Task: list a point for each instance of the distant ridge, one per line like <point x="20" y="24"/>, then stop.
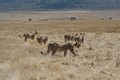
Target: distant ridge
<point x="36" y="5"/>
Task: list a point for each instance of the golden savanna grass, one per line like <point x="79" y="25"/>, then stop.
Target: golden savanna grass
<point x="98" y="58"/>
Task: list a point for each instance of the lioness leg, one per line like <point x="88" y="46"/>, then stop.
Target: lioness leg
<point x="41" y="42"/>
<point x="48" y="51"/>
<point x="72" y="50"/>
<point x="25" y="39"/>
<point x="53" y="52"/>
<point x="65" y="52"/>
<point x="44" y="42"/>
<point x="74" y="53"/>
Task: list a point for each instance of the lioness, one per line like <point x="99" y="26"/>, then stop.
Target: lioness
<point x="65" y="47"/>
<point x="42" y="39"/>
<point x="28" y="36"/>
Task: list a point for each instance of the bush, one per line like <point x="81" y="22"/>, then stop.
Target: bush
<point x="29" y="19"/>
<point x="102" y="18"/>
<point x="110" y="18"/>
<point x="72" y="18"/>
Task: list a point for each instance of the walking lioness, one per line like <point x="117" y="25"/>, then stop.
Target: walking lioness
<point x="28" y="36"/>
<point x="65" y="47"/>
<point x="42" y="39"/>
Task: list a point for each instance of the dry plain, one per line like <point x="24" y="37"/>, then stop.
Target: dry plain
<point x="99" y="55"/>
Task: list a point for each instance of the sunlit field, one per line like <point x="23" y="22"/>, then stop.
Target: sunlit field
<point x="99" y="55"/>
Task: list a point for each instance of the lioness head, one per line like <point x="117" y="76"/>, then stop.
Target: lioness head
<point x="77" y="44"/>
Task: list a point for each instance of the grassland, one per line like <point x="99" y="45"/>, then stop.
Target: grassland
<point x="20" y="60"/>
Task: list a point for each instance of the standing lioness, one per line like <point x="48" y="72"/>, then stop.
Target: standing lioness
<point x="28" y="36"/>
<point x="65" y="47"/>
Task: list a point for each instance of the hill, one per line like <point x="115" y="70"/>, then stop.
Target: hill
<point x="15" y="5"/>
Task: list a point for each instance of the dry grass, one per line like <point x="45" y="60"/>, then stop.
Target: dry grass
<point x="98" y="56"/>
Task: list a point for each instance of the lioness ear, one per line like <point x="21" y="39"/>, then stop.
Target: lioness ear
<point x="35" y="31"/>
<point x="83" y="34"/>
<point x="76" y="43"/>
<point x="80" y="33"/>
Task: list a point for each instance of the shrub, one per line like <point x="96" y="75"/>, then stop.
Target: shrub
<point x="102" y="18"/>
<point x="110" y="18"/>
<point x="72" y="18"/>
<point x="29" y="19"/>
